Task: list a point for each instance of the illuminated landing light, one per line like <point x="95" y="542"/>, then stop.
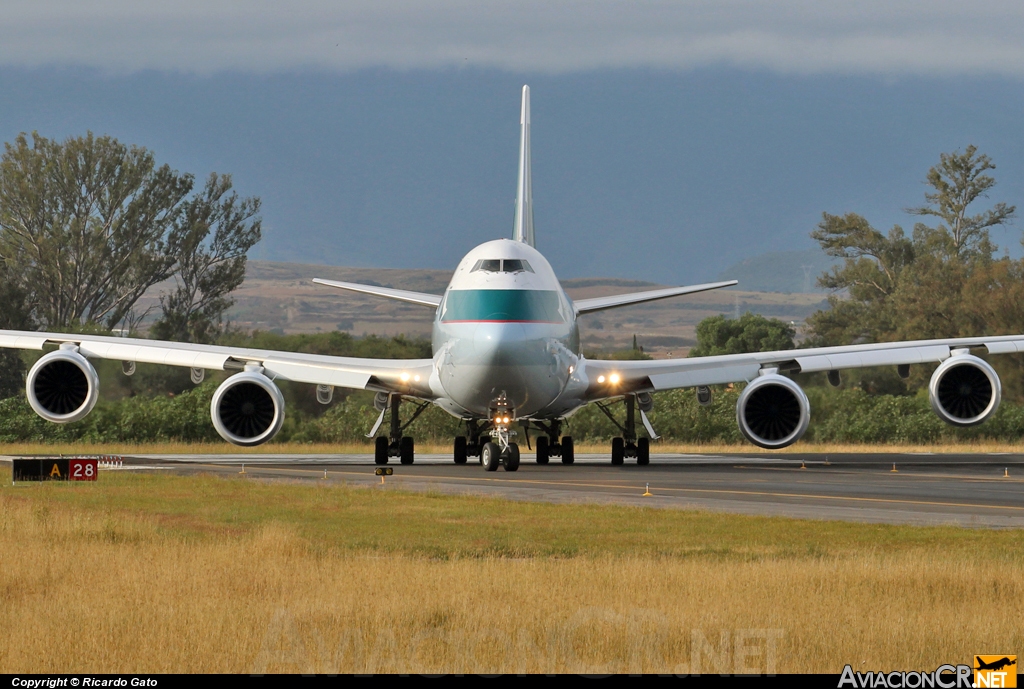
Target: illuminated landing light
<point x="614" y="379"/>
<point x="600" y="379"/>
<point x="571" y="369"/>
<point x="416" y="378"/>
<point x="404" y="377"/>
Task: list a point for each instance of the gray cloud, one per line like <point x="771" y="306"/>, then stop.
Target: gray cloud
<point x="939" y="37"/>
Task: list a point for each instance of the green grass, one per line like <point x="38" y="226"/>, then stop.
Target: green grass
<point x="335" y="518"/>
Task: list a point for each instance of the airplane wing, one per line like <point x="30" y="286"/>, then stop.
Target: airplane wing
<point x="419" y="298"/>
<point x="406" y="376"/>
<point x="652" y="375"/>
<point x="601" y="303"/>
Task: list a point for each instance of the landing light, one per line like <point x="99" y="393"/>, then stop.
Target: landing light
<point x="600" y="379"/>
<point x="614" y="379"/>
<point x="404" y="377"/>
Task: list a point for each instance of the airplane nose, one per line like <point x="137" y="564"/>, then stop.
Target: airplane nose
<point x="499" y="344"/>
<point x="501" y="359"/>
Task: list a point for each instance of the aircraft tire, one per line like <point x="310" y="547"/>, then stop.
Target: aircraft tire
<point x="460" y="449"/>
<point x="643" y="452"/>
<point x="406" y="449"/>
<point x="510" y="458"/>
<point x="618" y="451"/>
<point x="568" y="453"/>
<point x="380" y="450"/>
<point x="543" y="450"/>
<point x="490" y="456"/>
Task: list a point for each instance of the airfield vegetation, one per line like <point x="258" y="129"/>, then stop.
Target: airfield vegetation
<point x="162" y="573"/>
<point x="598" y="448"/>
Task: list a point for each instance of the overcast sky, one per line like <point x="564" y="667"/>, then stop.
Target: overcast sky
<point x="883" y="37"/>
<point x="671" y="139"/>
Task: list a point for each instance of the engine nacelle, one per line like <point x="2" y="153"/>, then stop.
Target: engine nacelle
<point x="773" y="412"/>
<point x="62" y="386"/>
<point x="964" y="390"/>
<point x="247" y="408"/>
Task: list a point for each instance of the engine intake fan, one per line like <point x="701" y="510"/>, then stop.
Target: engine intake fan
<point x="62" y="386"/>
<point x="964" y="390"/>
<point x="247" y="409"/>
<point x="773" y="412"/>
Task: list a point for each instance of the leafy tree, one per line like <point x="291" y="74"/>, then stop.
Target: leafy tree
<point x="15" y="315"/>
<point x="891" y="286"/>
<point x="749" y="333"/>
<point x="83" y="224"/>
<point x="209" y="244"/>
<point x="959" y="180"/>
<point x="89" y="224"/>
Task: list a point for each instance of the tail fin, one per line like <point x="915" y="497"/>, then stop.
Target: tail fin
<point x="522" y="230"/>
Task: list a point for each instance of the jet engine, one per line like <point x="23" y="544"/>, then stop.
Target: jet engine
<point x="62" y="386"/>
<point x="247" y="408"/>
<point x="773" y="412"/>
<point x="964" y="390"/>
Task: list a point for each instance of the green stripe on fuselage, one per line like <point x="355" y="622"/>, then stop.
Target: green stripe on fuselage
<point x="502" y="305"/>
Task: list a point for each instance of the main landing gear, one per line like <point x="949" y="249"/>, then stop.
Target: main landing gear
<point x="395" y="444"/>
<point x="628" y="445"/>
<point x="548" y="445"/>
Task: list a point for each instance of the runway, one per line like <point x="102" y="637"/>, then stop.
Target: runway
<point x="982" y="490"/>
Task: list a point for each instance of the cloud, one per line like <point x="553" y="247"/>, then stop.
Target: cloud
<point x="938" y="37"/>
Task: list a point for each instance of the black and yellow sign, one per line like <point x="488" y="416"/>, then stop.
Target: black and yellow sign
<point x="55" y="469"/>
<point x="995" y="671"/>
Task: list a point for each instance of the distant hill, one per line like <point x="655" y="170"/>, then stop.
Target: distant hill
<point x="281" y="297"/>
<point x="780" y="271"/>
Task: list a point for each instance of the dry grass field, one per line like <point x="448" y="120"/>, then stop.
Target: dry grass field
<point x="159" y="573"/>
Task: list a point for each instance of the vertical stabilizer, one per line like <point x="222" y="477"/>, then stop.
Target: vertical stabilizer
<point x="522" y="230"/>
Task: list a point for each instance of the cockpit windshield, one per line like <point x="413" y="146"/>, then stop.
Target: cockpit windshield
<point x="497" y="265"/>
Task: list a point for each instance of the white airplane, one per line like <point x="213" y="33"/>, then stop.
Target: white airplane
<point x="506" y="354"/>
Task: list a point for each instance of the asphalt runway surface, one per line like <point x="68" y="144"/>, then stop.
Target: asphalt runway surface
<point x="983" y="490"/>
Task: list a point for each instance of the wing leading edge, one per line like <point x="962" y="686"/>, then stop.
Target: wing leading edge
<point x="668" y="374"/>
<point x="406" y="376"/>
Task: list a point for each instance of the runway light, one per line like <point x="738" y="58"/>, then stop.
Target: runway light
<point x="614" y="379"/>
<point x="600" y="379"/>
<point x="404" y="377"/>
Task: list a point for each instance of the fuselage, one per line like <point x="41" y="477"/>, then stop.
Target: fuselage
<point x="505" y="330"/>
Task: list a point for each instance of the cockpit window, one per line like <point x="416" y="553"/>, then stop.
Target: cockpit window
<point x="497" y="265"/>
<point x="515" y="265"/>
<point x="489" y="265"/>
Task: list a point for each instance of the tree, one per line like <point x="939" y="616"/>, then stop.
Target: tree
<point x="893" y="287"/>
<point x="959" y="180"/>
<point x="209" y="243"/>
<point x="83" y="224"/>
<point x="749" y="333"/>
<point x="15" y="315"/>
<point x="90" y="224"/>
